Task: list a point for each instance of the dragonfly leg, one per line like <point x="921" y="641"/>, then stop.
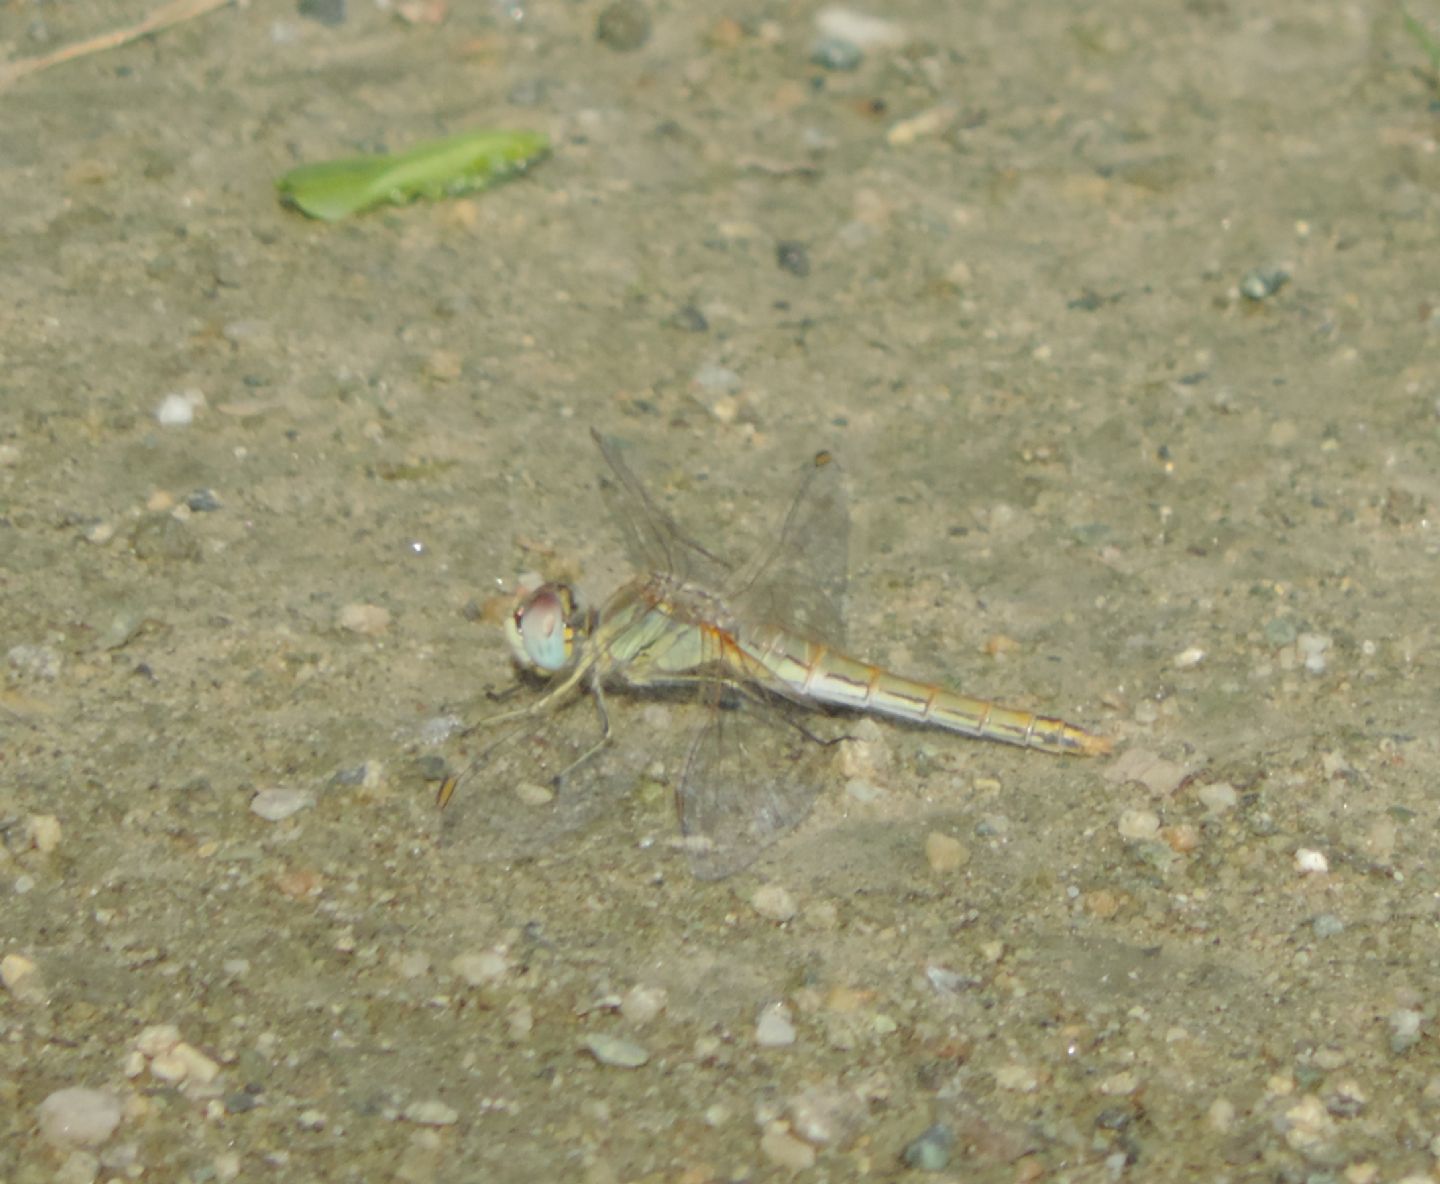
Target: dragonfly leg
<point x="559" y="691"/>
<point x="597" y="694"/>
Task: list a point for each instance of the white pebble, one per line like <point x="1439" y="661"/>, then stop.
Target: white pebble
<point x="1218" y="796"/>
<point x="432" y="1113"/>
<point x="178" y="410"/>
<point x="616" y="1051"/>
<point x="44" y="833"/>
<point x="1189" y="658"/>
<point x="482" y="969"/>
<point x="22" y="978"/>
<point x="774" y="1029"/>
<point x="79" y="1117"/>
<point x="773" y="902"/>
<point x="640" y="1005"/>
<point x="275" y="805"/>
<point x="1309" y="862"/>
<point x="1312" y="648"/>
<point x="784" y="1150"/>
<point x="1137" y="825"/>
<point x="368" y="620"/>
<point x="157" y="1039"/>
<point x="198" y="1067"/>
<point x="859" y="28"/>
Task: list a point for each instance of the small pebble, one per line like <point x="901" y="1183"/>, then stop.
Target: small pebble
<point x="640" y="1005"/>
<point x="22" y="978"/>
<point x="1138" y="825"/>
<point x="1188" y="659"/>
<point x="860" y="28"/>
<point x="774" y="1029"/>
<point x="945" y="853"/>
<point x="784" y="1150"/>
<point x="773" y="902"/>
<point x="178" y="410"/>
<point x="368" y="620"/>
<point x="1327" y="925"/>
<point x="931" y="1151"/>
<point x="431" y="1113"/>
<point x="533" y="793"/>
<point x="79" y="1117"/>
<point x="1263" y="282"/>
<point x="157" y="1039"/>
<point x="616" y="1051"/>
<point x="793" y="257"/>
<point x="836" y="53"/>
<point x="1218" y="797"/>
<point x="275" y="805"/>
<point x="623" y="26"/>
<point x="482" y="968"/>
<point x="1311" y="648"/>
<point x="1020" y="1079"/>
<point x="44" y="833"/>
<point x="1309" y="862"/>
<point x="1404" y="1026"/>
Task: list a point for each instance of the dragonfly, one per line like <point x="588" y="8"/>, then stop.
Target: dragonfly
<point x="752" y="649"/>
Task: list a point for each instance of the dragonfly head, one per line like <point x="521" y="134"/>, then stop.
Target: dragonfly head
<point x="541" y="630"/>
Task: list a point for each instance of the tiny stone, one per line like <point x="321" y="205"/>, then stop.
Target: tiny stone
<point x="944" y="853"/>
<point x="432" y="1113"/>
<point x="22" y="978"/>
<point x="198" y="1067"/>
<point x="157" y="1039"/>
<point x="931" y="1151"/>
<point x="773" y="902"/>
<point x="79" y="1117"/>
<point x="275" y="805"/>
<point x="784" y="1150"/>
<point x="1217" y="797"/>
<point x="1404" y="1029"/>
<point x="1020" y="1079"/>
<point x="169" y="1066"/>
<point x="1263" y="282"/>
<point x="616" y="1051"/>
<point x="203" y="501"/>
<point x="178" y="410"/>
<point x="1309" y="862"/>
<point x="532" y="793"/>
<point x="481" y="969"/>
<point x="1327" y="925"/>
<point x="368" y="620"/>
<point x="1139" y="824"/>
<point x="774" y="1029"/>
<point x="1188" y="659"/>
<point x="836" y="53"/>
<point x="793" y="257"/>
<point x="623" y="25"/>
<point x="640" y="1005"/>
<point x="44" y="833"/>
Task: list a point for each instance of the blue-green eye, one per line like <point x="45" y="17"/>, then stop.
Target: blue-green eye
<point x="543" y="624"/>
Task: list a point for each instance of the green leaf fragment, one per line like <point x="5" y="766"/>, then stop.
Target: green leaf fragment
<point x="458" y="164"/>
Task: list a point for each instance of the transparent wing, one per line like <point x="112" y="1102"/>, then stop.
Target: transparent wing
<point x="798" y="581"/>
<point x="751" y="774"/>
<point x="654" y="541"/>
<point x="508" y="806"/>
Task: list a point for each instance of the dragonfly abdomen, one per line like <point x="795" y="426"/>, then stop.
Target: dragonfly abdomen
<point x="826" y="676"/>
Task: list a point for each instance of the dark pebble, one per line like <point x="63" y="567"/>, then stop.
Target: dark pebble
<point x="623" y="25"/>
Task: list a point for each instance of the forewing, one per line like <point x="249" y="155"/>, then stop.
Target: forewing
<point x="751" y="775"/>
<point x="654" y="541"/>
<point x="798" y="580"/>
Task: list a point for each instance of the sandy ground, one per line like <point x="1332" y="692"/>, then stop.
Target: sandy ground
<point x="998" y="269"/>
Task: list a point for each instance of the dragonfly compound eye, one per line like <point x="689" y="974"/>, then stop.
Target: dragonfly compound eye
<point x="541" y="627"/>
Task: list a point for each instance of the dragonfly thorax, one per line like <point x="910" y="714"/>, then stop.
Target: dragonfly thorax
<point x="541" y="630"/>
